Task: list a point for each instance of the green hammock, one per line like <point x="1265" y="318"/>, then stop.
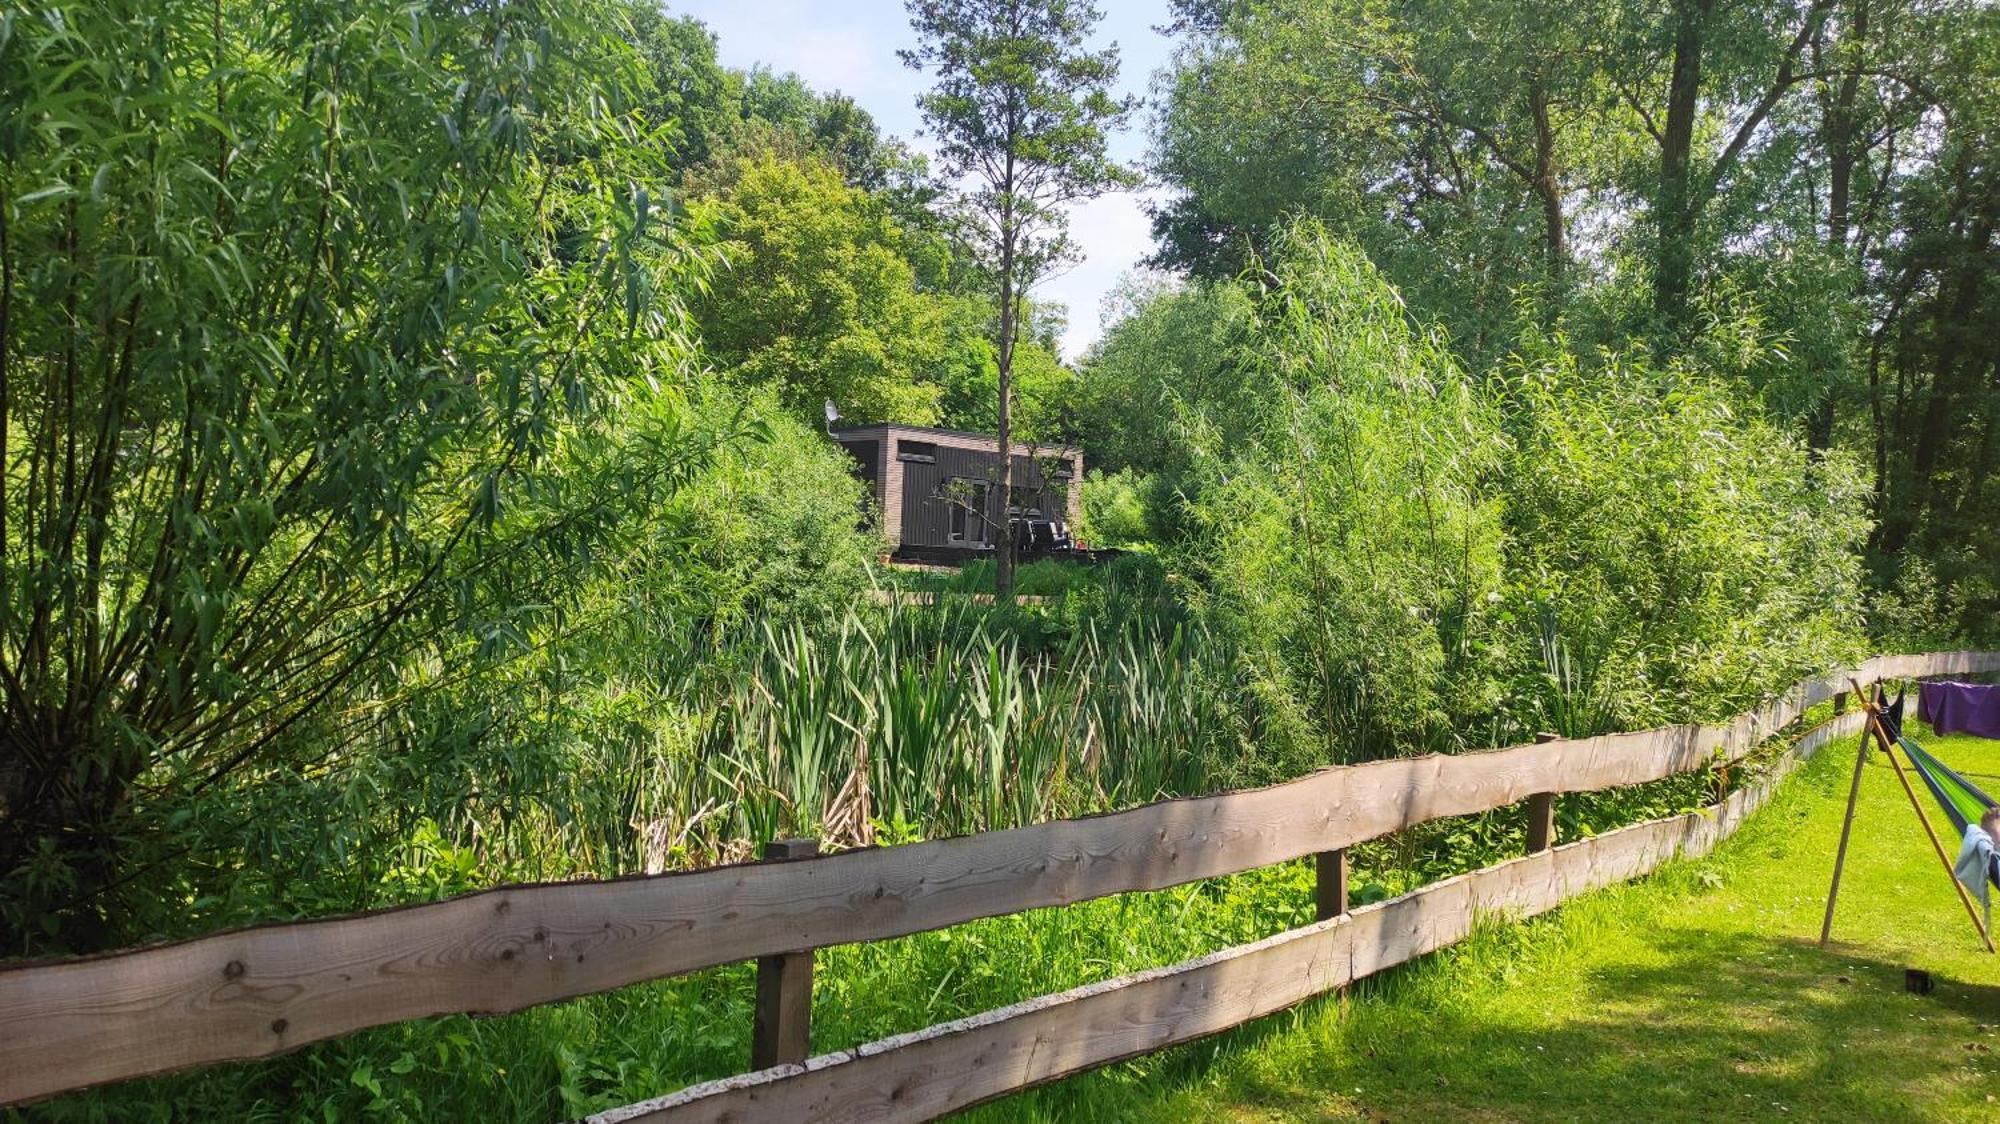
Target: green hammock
<point x="1961" y="799"/>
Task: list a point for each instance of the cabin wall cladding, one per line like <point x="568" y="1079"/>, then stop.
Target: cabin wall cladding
<point x="256" y="992"/>
<point x="928" y="520"/>
<point x="909" y="468"/>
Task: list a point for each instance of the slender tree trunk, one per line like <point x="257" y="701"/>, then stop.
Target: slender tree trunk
<point x="1674" y="208"/>
<point x="1003" y="573"/>
<point x="1547" y="187"/>
<point x="1841" y="159"/>
<point x="1876" y="415"/>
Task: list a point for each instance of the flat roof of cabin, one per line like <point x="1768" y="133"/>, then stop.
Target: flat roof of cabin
<point x="1021" y="448"/>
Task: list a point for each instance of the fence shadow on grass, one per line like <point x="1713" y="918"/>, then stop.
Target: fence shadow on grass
<point x="1704" y="1027"/>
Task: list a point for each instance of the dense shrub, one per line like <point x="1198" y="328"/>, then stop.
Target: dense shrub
<point x="1172" y="353"/>
<point x="770" y="528"/>
<point x="318" y="326"/>
<point x="1672" y="552"/>
<point x="1403" y="558"/>
<point x="1348" y="543"/>
<point x="1117" y="508"/>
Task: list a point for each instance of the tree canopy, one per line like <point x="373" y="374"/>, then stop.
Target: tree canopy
<point x="1641" y="173"/>
<point x="815" y="297"/>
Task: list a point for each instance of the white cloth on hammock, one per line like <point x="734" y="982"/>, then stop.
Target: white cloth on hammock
<point x="1974" y="868"/>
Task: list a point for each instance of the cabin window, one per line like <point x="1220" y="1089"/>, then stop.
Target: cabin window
<point x="968" y="510"/>
<point x="917" y="452"/>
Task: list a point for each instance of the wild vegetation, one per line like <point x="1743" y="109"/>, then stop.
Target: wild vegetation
<point x="411" y="478"/>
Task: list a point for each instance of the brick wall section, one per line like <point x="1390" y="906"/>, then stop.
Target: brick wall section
<point x="892" y="493"/>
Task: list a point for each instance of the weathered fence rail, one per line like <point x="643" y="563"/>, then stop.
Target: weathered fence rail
<point x="255" y="992"/>
<point x="957" y="1064"/>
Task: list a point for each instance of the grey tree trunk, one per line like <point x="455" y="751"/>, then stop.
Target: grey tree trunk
<point x="1674" y="208"/>
<point x="1003" y="570"/>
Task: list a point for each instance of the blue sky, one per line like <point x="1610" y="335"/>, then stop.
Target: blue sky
<point x="851" y="47"/>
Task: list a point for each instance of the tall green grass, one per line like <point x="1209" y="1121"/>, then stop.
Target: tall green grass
<point x="936" y="720"/>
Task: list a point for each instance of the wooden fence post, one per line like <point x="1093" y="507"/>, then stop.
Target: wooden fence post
<point x="1330" y="895"/>
<point x="783" y="1031"/>
<point x="1542" y="811"/>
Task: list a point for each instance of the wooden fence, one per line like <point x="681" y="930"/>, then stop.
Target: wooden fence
<point x="255" y="992"/>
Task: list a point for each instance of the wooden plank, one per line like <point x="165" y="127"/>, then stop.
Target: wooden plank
<point x="782" y="1030"/>
<point x="938" y="597"/>
<point x="1542" y="811"/>
<point x="1329" y="884"/>
<point x="1846" y="821"/>
<point x="945" y="1068"/>
<point x="1541" y="821"/>
<point x="256" y="992"/>
<point x="262" y="991"/>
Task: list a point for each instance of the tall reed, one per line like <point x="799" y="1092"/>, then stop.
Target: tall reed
<point x="936" y="720"/>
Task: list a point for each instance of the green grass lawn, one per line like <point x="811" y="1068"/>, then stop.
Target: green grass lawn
<point x="1700" y="994"/>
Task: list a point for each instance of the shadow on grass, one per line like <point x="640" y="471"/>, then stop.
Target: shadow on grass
<point x="1702" y="1026"/>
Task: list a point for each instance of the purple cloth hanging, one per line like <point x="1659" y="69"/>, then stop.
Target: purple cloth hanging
<point x="1960" y="708"/>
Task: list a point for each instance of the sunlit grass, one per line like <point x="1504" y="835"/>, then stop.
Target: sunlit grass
<point x="1700" y="994"/>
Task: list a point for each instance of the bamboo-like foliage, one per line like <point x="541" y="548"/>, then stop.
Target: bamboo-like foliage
<point x="935" y="721"/>
<point x="298" y="301"/>
<point x="1349" y="542"/>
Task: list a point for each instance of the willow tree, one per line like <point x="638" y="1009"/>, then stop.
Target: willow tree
<point x="1020" y="113"/>
<point x="1452" y="140"/>
<point x="298" y="301"/>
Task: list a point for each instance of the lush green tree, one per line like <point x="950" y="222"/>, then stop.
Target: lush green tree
<point x="1673" y="549"/>
<point x="686" y="91"/>
<point x="706" y="113"/>
<point x="817" y="298"/>
<point x="1167" y="373"/>
<point x="832" y="125"/>
<point x="1449" y="139"/>
<point x="1744" y="58"/>
<point x="1266" y="112"/>
<point x="1692" y="176"/>
<point x="1931" y="360"/>
<point x="1405" y="556"/>
<point x="1172" y="350"/>
<point x="1042" y="384"/>
<point x="1021" y="107"/>
<point x="1347" y="544"/>
<point x="309" y="329"/>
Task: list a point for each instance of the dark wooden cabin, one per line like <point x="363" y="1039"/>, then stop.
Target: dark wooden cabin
<point x="938" y="489"/>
